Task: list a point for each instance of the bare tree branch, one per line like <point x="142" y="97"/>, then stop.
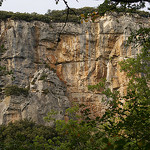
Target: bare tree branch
<point x="68" y="10"/>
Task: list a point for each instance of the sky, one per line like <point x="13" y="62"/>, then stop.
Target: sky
<point x="41" y="7"/>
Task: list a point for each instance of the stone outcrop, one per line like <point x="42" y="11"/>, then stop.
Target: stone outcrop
<point x="58" y="73"/>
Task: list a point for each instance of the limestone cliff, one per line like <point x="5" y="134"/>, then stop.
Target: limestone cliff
<point x="57" y="73"/>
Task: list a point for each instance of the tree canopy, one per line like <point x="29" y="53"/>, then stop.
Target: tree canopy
<point x="127" y="3"/>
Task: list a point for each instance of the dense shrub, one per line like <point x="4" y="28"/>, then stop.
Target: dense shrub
<point x="15" y="90"/>
<point x="23" y="135"/>
<point x="50" y="16"/>
<point x="24" y="16"/>
<point x="60" y="15"/>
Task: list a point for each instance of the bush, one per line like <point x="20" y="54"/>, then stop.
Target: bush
<point x="43" y="77"/>
<point x="22" y="134"/>
<point x="4" y="15"/>
<point x="73" y="14"/>
<point x="15" y="90"/>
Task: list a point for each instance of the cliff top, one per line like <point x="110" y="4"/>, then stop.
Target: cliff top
<point x="54" y="16"/>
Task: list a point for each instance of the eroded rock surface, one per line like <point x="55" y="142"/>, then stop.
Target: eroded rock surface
<point x="46" y="93"/>
<point x="58" y="73"/>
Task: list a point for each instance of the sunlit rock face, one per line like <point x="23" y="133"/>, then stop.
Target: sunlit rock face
<point x="58" y="73"/>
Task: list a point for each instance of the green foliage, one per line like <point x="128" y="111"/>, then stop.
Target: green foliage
<point x="45" y="91"/>
<point x="2" y="49"/>
<point x="72" y="17"/>
<point x="24" y="16"/>
<point x="97" y="86"/>
<point x="142" y="13"/>
<point x="109" y="6"/>
<point x="74" y="134"/>
<point x="4" y="71"/>
<point x="54" y="15"/>
<point x="125" y="7"/>
<point x="51" y="116"/>
<point x="50" y="16"/>
<point x="128" y="117"/>
<point x="15" y="90"/>
<point x="43" y="77"/>
<point x="106" y="6"/>
<point x="134" y="4"/>
<point x="24" y="135"/>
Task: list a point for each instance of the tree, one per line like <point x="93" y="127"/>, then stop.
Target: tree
<point x="24" y="135"/>
<point x="133" y="112"/>
<point x="126" y="3"/>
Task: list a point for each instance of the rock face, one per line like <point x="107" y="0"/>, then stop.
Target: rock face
<point x="58" y="73"/>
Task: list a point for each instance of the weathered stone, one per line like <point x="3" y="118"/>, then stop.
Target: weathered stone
<point x="46" y="94"/>
<point x="85" y="55"/>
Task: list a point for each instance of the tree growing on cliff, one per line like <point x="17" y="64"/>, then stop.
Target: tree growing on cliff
<point x="128" y="116"/>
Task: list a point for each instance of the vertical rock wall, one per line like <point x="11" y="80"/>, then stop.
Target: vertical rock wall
<point x="57" y="73"/>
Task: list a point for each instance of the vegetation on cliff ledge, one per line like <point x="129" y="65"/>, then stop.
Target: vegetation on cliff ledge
<point x="60" y="15"/>
<point x="15" y="90"/>
<point x="4" y="15"/>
